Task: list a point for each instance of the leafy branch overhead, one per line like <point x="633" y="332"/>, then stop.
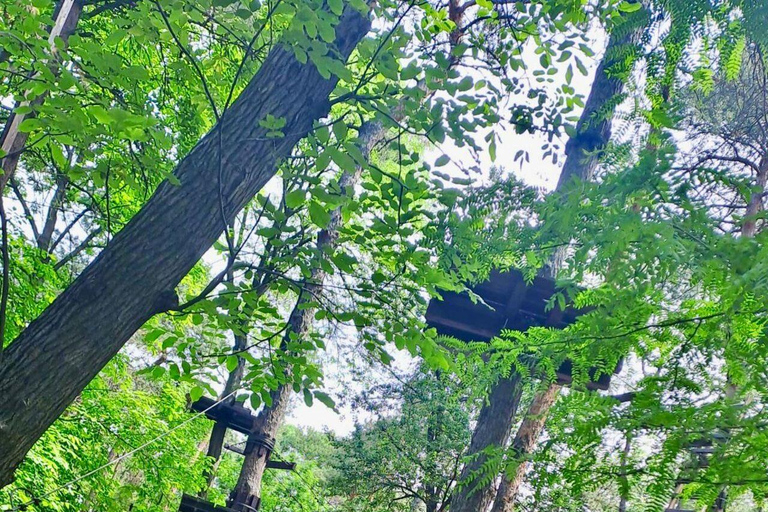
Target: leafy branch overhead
<point x="256" y="202"/>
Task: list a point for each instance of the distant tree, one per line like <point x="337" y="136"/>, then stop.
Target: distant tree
<point x="409" y="456"/>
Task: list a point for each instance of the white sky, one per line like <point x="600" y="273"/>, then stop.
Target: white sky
<point x="537" y="172"/>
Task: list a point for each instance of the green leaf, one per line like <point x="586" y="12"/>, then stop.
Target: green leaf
<point x="195" y="393"/>
<point x="153" y="335"/>
<point x="630" y="6"/>
<point x="320" y="217"/>
<point x="308" y="397"/>
<point x="442" y="161"/>
<point x="336" y="6"/>
<point x="295" y="198"/>
<point x="325" y="400"/>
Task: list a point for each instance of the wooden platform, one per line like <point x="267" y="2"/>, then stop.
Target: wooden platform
<point x="193" y="504"/>
<point x="515" y="306"/>
<point x="233" y="415"/>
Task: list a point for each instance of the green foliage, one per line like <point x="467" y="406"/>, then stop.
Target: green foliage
<point x="675" y="289"/>
<point x="117" y="413"/>
<point x="410" y="457"/>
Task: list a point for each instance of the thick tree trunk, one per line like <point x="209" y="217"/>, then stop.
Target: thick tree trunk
<point x="593" y="133"/>
<point x="492" y="430"/>
<point x="525" y="440"/>
<point x="271" y="418"/>
<point x="136" y="274"/>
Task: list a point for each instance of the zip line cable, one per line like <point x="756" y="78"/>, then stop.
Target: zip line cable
<point x="122" y="457"/>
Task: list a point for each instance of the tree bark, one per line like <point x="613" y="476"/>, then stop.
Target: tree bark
<point x="593" y="133"/>
<point x="492" y="430"/>
<point x="136" y="274"/>
<point x="525" y="440"/>
<point x="271" y="418"/>
<point x="12" y="141"/>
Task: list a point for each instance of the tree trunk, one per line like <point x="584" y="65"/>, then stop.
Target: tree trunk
<point x="136" y="274"/>
<point x="271" y="418"/>
<point x="252" y="473"/>
<point x="12" y="141"/>
<point x="492" y="430"/>
<point x="219" y="430"/>
<point x="624" y="487"/>
<point x="523" y="443"/>
<point x="593" y="133"/>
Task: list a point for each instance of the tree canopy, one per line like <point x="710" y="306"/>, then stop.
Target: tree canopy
<point x="257" y="202"/>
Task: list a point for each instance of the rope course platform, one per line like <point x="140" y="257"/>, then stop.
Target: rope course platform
<point x="234" y="416"/>
<point x="514" y="304"/>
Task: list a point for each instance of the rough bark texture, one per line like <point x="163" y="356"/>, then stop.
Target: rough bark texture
<point x="252" y="472"/>
<point x="525" y="440"/>
<point x="593" y="133"/>
<point x="135" y="276"/>
<point x="12" y="141"/>
<point x="492" y="429"/>
<point x="271" y="418"/>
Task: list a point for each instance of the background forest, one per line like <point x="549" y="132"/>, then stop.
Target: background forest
<point x="262" y="211"/>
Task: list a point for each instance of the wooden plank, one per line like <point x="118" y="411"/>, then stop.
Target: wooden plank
<point x="236" y="449"/>
<point x="524" y="306"/>
<point x="233" y="415"/>
<point x="194" y="504"/>
<point x="271" y="464"/>
<point x="281" y="464"/>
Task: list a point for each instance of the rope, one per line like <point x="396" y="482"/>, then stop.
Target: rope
<point x="124" y="456"/>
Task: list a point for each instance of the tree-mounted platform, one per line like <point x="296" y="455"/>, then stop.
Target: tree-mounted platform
<point x="233" y="415"/>
<point x="516" y="305"/>
<point x="193" y="504"/>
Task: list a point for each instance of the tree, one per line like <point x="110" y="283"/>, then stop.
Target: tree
<point x="408" y="460"/>
<point x="593" y="132"/>
<point x="180" y="221"/>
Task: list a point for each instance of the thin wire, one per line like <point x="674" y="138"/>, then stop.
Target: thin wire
<point x="124" y="456"/>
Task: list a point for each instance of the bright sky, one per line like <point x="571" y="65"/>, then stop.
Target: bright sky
<point x="537" y="172"/>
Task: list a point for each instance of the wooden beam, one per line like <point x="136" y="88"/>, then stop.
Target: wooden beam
<point x="193" y="504"/>
<point x="271" y="464"/>
<point x="281" y="464"/>
<point x="517" y="306"/>
<point x="234" y="415"/>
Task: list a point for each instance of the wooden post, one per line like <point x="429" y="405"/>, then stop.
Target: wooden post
<point x="237" y="417"/>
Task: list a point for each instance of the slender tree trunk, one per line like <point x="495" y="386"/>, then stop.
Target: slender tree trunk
<point x="492" y="430"/>
<point x="255" y="464"/>
<point x="525" y="440"/>
<point x="12" y="141"/>
<point x="592" y="134"/>
<point x="219" y="430"/>
<point x="135" y="276"/>
<point x="624" y="488"/>
<point x="271" y="418"/>
<point x="46" y="235"/>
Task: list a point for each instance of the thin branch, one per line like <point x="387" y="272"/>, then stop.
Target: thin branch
<point x="77" y="250"/>
<point x="27" y="212"/>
